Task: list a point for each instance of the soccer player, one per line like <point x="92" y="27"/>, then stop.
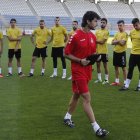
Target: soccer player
<point x="41" y="34"/>
<point x="74" y="28"/>
<point x="81" y="45"/>
<point x="59" y="38"/>
<point x="134" y="59"/>
<point x="102" y="36"/>
<point x="14" y="36"/>
<point x="119" y="55"/>
<point x="1" y="49"/>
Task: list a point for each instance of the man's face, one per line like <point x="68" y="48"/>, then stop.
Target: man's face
<point x="121" y="27"/>
<point x="13" y="24"/>
<point x="57" y="21"/>
<point x="74" y="26"/>
<point x="103" y="24"/>
<point x="137" y="26"/>
<point x="92" y="24"/>
<point x="42" y="24"/>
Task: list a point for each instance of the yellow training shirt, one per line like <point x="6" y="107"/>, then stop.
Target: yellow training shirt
<point x="120" y="36"/>
<point x="41" y="36"/>
<point x="1" y="35"/>
<point x="101" y="35"/>
<point x="58" y="33"/>
<point x="14" y="33"/>
<point x="135" y="38"/>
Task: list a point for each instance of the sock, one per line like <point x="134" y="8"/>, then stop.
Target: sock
<point x="124" y="82"/>
<point x="19" y="69"/>
<point x="139" y="84"/>
<point x="43" y="70"/>
<point x="64" y="71"/>
<point x="67" y="116"/>
<point x="127" y="83"/>
<point x="95" y="126"/>
<point x="117" y="80"/>
<point x="0" y="70"/>
<point x="55" y="71"/>
<point x="31" y="71"/>
<point x="99" y="77"/>
<point x="106" y="77"/>
<point x="10" y="70"/>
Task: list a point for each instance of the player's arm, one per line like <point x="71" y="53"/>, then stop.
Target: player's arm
<point x="50" y="38"/>
<point x="66" y="38"/>
<point x="13" y="39"/>
<point x="33" y="39"/>
<point x="122" y="42"/>
<point x="101" y="41"/>
<point x="1" y="45"/>
<point x="18" y="42"/>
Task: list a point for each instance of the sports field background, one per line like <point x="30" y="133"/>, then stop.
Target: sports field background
<point x="33" y="108"/>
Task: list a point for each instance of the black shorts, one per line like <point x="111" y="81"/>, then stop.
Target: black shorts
<point x="11" y="53"/>
<point x="40" y="52"/>
<point x="104" y="58"/>
<point x="57" y="52"/>
<point x="134" y="60"/>
<point x="119" y="59"/>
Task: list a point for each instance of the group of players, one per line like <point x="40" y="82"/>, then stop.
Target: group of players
<point x="81" y="44"/>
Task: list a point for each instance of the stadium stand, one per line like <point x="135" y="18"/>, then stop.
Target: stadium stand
<point x="116" y="9"/>
<point x="136" y="7"/>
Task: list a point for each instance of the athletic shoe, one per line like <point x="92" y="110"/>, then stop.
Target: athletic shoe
<point x="123" y="88"/>
<point x="105" y="82"/>
<point x="98" y="81"/>
<point x="137" y="89"/>
<point x="30" y="75"/>
<point x="101" y="132"/>
<point x="21" y="74"/>
<point x="63" y="76"/>
<point x="1" y="76"/>
<point x="53" y="75"/>
<point x="42" y="74"/>
<point x="9" y="74"/>
<point x="115" y="84"/>
<point x="69" y="123"/>
<point x="69" y="78"/>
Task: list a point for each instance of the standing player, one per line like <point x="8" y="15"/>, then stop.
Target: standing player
<point x="59" y="38"/>
<point x="14" y="35"/>
<point x="119" y="55"/>
<point x="134" y="59"/>
<point x="102" y="36"/>
<point x="1" y="49"/>
<point x="74" y="28"/>
<point x="41" y="33"/>
<point x="81" y="45"/>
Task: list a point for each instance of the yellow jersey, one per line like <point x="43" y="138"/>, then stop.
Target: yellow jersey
<point x="1" y="35"/>
<point x="41" y="36"/>
<point x="58" y="34"/>
<point x="120" y="36"/>
<point x="71" y="32"/>
<point x="14" y="33"/>
<point x="135" y="38"/>
<point x="101" y="35"/>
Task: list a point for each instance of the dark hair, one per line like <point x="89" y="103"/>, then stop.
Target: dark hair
<point x="57" y="17"/>
<point x="75" y="21"/>
<point x="89" y="15"/>
<point x="41" y="20"/>
<point x="104" y="19"/>
<point x="121" y="21"/>
<point x="13" y="19"/>
<point x="135" y="20"/>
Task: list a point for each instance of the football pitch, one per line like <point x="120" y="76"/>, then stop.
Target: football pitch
<point x="33" y="108"/>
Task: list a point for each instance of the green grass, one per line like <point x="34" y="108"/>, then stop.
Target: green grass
<point x="33" y="108"/>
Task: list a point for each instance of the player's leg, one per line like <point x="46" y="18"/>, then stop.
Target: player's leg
<point x="18" y="58"/>
<point x="10" y="59"/>
<point x="99" y="80"/>
<point x="0" y="68"/>
<point x="36" y="53"/>
<point x="64" y="67"/>
<point x="106" y="73"/>
<point x="124" y="74"/>
<point x="90" y="114"/>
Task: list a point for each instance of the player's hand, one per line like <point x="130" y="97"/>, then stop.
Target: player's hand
<point x="85" y="62"/>
<point x="45" y="43"/>
<point x="16" y="49"/>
